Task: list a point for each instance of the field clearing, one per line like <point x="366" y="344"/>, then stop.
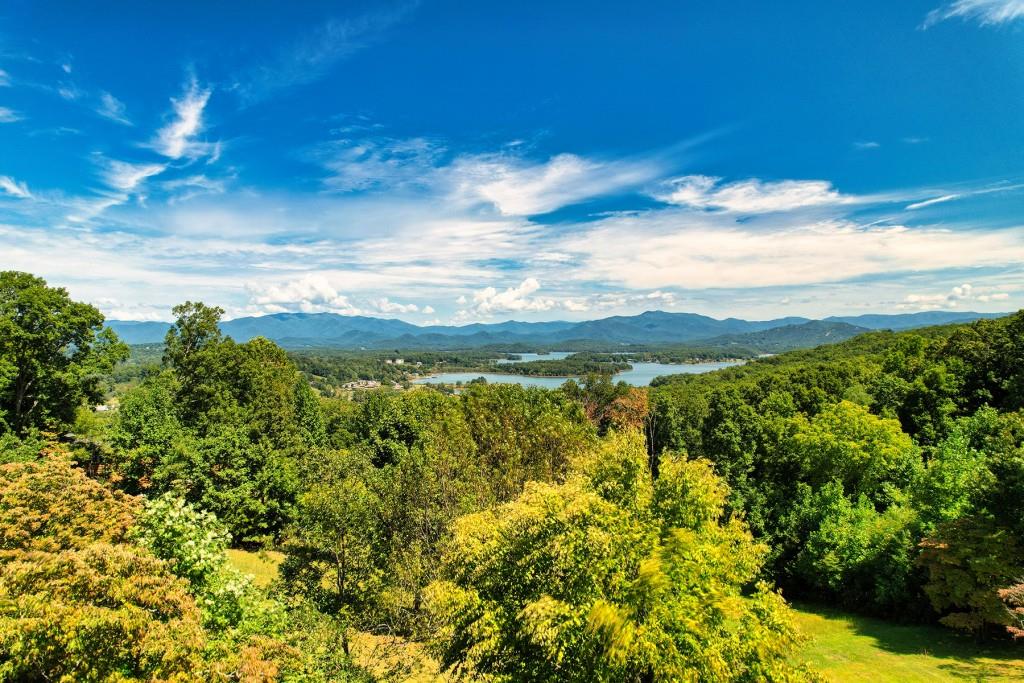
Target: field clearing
<point x="262" y="565"/>
<point x="848" y="648"/>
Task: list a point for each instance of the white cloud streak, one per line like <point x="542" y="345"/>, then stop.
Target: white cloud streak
<point x="8" y="115"/>
<point x="13" y="188"/>
<point x="311" y="58"/>
<point x="127" y="177"/>
<point x="113" y="109"/>
<point x="985" y="12"/>
<point x="751" y="196"/>
<point x="176" y="139"/>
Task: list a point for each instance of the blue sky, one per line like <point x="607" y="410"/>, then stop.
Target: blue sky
<point x="444" y="161"/>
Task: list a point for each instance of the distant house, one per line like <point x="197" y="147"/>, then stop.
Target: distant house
<point x="361" y="384"/>
<point x="399" y="361"/>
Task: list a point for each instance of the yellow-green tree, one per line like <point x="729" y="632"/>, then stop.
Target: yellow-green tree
<point x="612" y="577"/>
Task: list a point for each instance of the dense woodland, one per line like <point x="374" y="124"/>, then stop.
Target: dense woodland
<point x="598" y="532"/>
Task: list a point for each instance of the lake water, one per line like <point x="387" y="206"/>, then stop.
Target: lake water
<point x="640" y="376"/>
<point x="526" y="357"/>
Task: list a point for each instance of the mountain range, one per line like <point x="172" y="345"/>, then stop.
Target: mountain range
<point x="658" y="328"/>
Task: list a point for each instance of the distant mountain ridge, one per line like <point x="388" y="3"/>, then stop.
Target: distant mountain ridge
<point x="297" y="330"/>
<point x="788" y="337"/>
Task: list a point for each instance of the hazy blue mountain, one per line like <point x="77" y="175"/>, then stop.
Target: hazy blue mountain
<point x="137" y="332"/>
<point x="788" y="337"/>
<point x="651" y="328"/>
<point x="907" y="321"/>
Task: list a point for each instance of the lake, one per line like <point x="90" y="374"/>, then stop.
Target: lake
<point x="527" y="357"/>
<point x="640" y="376"/>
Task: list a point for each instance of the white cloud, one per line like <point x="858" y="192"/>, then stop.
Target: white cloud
<point x="510" y="183"/>
<point x="190" y="187"/>
<point x="676" y="248"/>
<point x="112" y="108"/>
<point x="9" y="115"/>
<point x="935" y="200"/>
<point x="489" y="301"/>
<point x="176" y="139"/>
<point x="519" y="188"/>
<point x="384" y="305"/>
<point x="125" y="176"/>
<point x="867" y="144"/>
<point x="69" y="91"/>
<point x="309" y="294"/>
<point x="985" y="12"/>
<point x="751" y="196"/>
<point x="378" y="163"/>
<point x="956" y="296"/>
<point x="15" y="189"/>
<point x="941" y="199"/>
<point x="5" y="79"/>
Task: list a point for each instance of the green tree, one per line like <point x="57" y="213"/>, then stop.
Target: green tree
<point x="968" y="560"/>
<point x="585" y="581"/>
<point x="54" y="353"/>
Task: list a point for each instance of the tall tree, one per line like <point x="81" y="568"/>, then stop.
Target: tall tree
<point x="53" y="353"/>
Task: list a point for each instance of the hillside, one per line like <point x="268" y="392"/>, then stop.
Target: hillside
<point x="653" y="328"/>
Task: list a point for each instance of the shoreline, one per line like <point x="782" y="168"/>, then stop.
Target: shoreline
<point x="481" y="373"/>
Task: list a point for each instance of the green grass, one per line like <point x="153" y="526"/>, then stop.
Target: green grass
<point x="847" y="648"/>
<point x="262" y="565"/>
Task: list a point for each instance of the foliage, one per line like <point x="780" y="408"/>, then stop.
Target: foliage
<point x="225" y="426"/>
<point x="567" y="584"/>
<point x="81" y="600"/>
<point x="54" y="353"/>
<point x="968" y="561"/>
<point x="76" y="602"/>
<point x="194" y="544"/>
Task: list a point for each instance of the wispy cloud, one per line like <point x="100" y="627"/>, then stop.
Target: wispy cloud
<point x="5" y="79"/>
<point x="985" y="12"/>
<point x="519" y="188"/>
<point x="125" y="176"/>
<point x="867" y="144"/>
<point x="9" y="115"/>
<point x="112" y="108"/>
<point x="190" y="187"/>
<point x="314" y="56"/>
<point x="177" y="138"/>
<point x="506" y="181"/>
<point x="13" y="188"/>
<point x="751" y="196"/>
<point x="935" y="200"/>
<point x="378" y="163"/>
<point x="952" y="196"/>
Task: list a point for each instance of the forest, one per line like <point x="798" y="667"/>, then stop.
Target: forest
<point x="596" y="532"/>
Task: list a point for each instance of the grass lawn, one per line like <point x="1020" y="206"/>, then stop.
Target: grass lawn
<point x="262" y="565"/>
<point x="847" y="647"/>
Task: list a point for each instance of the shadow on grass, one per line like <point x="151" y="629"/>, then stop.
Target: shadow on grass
<point x="958" y="655"/>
